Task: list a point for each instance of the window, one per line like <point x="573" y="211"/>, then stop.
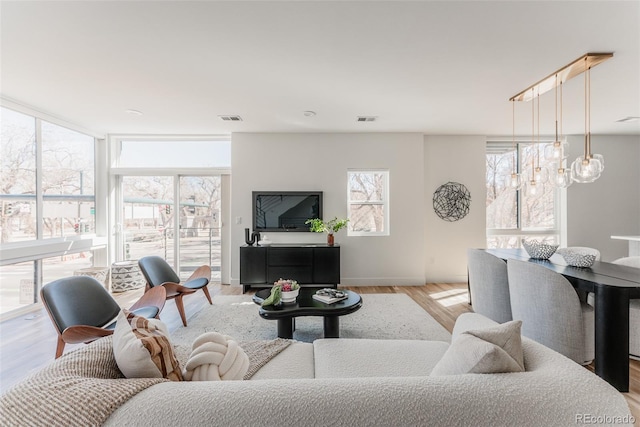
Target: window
<point x="368" y="203"/>
<point x="47" y="200"/>
<point x="67" y="182"/>
<point x="18" y="177"/>
<point x="210" y="153"/>
<point x="513" y="215"/>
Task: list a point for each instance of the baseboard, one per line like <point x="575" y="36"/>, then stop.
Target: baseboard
<point x="382" y="281"/>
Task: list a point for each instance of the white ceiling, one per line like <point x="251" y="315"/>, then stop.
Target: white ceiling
<point x="419" y="66"/>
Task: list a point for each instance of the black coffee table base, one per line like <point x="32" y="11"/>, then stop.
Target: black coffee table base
<point x="287" y="325"/>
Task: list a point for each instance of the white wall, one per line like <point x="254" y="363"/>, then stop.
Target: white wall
<point x="458" y="159"/>
<point x="309" y="162"/>
<point x="611" y="205"/>
<point x="422" y="248"/>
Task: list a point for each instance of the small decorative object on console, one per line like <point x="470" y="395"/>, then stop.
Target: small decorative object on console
<point x="330" y="295"/>
<point x="539" y="250"/>
<point x="284" y="290"/>
<point x="577" y="257"/>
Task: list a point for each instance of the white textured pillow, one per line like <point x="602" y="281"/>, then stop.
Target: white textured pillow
<point x="142" y="349"/>
<point x="484" y="351"/>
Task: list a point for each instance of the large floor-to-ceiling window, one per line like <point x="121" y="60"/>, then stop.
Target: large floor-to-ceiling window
<point x="169" y="199"/>
<point x="47" y="205"/>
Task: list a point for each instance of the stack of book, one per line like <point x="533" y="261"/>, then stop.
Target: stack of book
<point x="329" y="295"/>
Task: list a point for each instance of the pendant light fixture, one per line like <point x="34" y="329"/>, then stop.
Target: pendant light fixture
<point x="541" y="174"/>
<point x="562" y="177"/>
<point x="515" y="179"/>
<point x="532" y="188"/>
<point x="557" y="150"/>
<point x="588" y="167"/>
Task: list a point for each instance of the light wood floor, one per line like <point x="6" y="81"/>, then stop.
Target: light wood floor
<point x="28" y="342"/>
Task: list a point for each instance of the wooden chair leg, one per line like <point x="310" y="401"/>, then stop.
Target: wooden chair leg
<point x="206" y="292"/>
<point x="180" y="306"/>
<point x="60" y="347"/>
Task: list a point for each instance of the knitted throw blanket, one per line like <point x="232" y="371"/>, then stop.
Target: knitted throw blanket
<point x="84" y="387"/>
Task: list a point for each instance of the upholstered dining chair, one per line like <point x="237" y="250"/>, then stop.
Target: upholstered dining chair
<point x="489" y="285"/>
<point x="82" y="310"/>
<point x="158" y="272"/>
<point x="551" y="311"/>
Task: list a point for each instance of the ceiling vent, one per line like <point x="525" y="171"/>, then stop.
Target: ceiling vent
<point x="231" y="118"/>
<point x="366" y="118"/>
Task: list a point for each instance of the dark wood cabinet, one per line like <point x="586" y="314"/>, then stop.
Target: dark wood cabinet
<point x="309" y="265"/>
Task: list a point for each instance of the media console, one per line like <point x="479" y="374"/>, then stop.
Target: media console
<point x="309" y="265"/>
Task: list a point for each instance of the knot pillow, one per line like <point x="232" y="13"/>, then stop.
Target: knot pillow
<point x="216" y="357"/>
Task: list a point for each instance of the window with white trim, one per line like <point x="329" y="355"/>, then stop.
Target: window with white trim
<point x="368" y="202"/>
<point x="513" y="215"/>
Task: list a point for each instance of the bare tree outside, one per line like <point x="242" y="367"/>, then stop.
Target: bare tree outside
<point x="149" y="211"/>
<point x="67" y="179"/>
<point x="510" y="211"/>
<point x="17" y="176"/>
<point x="367" y="202"/>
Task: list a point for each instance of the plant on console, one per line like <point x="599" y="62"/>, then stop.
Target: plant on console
<point x="329" y="227"/>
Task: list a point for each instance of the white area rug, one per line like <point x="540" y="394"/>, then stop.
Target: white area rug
<point x="382" y="316"/>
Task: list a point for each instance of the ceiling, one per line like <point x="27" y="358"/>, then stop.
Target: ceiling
<point x="418" y="66"/>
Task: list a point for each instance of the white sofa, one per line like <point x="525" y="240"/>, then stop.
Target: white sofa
<point x="384" y="382"/>
<point x="330" y="382"/>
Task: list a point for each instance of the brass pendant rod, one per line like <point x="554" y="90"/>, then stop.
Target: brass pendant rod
<point x="533" y="138"/>
<point x="513" y="138"/>
<point x="565" y="73"/>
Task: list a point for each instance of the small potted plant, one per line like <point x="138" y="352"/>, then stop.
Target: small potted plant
<point x="330" y="227"/>
<point x="285" y="290"/>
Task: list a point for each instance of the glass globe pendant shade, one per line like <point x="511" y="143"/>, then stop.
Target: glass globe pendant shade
<point x="585" y="170"/>
<point x="562" y="178"/>
<point x="599" y="158"/>
<point x="541" y="174"/>
<point x="557" y="150"/>
<point x="514" y="181"/>
<point x="533" y="189"/>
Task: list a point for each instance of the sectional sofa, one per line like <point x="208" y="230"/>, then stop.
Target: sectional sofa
<point x="379" y="382"/>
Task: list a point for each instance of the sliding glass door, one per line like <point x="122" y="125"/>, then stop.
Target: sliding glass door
<point x="154" y="207"/>
<point x="199" y="240"/>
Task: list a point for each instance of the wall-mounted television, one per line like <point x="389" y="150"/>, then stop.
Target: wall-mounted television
<point x="285" y="210"/>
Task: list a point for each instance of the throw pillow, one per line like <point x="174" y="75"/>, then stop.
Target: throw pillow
<point x="484" y="351"/>
<point x="216" y="357"/>
<point x="142" y="349"/>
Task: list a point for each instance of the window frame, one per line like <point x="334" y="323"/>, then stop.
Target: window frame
<point x="559" y="228"/>
<point x="384" y="202"/>
<point x="40" y="248"/>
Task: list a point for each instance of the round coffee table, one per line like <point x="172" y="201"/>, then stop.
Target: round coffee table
<point x="305" y="305"/>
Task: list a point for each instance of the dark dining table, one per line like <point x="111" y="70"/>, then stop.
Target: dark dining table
<point x="613" y="285"/>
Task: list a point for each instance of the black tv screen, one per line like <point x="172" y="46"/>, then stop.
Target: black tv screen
<point x="285" y="210"/>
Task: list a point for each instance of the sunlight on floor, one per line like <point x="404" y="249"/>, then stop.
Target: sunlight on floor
<point x="450" y="297"/>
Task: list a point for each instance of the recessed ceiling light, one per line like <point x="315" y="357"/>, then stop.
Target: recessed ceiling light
<point x="628" y="119"/>
<point x="309" y="113"/>
<point x="231" y="118"/>
<point x="134" y="112"/>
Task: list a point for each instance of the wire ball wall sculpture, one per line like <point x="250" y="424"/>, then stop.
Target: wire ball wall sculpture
<point x="451" y="201"/>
